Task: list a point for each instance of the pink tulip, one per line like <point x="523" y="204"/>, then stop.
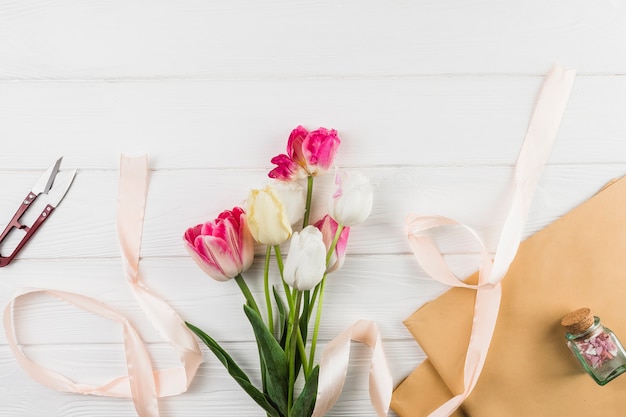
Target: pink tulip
<point x="308" y="154"/>
<point x="222" y="248"/>
<point x="328" y="227"/>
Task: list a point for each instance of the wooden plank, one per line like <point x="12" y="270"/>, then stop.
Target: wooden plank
<point x="233" y="124"/>
<point x="213" y="392"/>
<point x="84" y="224"/>
<point x="386" y="289"/>
<point x="280" y="38"/>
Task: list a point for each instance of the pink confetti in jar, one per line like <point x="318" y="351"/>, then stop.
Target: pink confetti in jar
<point x="595" y="346"/>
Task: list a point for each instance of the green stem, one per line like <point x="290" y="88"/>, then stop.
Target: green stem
<point x="279" y="259"/>
<point x="313" y="299"/>
<point x="309" y="198"/>
<point x="266" y="286"/>
<point x="246" y="293"/>
<point x="318" y="317"/>
<point x="302" y="350"/>
<point x="333" y="245"/>
<point x="322" y="285"/>
<point x="295" y="329"/>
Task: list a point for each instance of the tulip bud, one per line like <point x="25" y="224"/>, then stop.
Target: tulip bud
<point x="328" y="227"/>
<point x="306" y="260"/>
<point x="267" y="217"/>
<point x="351" y="203"/>
<point x="222" y="248"/>
<point x="319" y="148"/>
<point x="308" y="154"/>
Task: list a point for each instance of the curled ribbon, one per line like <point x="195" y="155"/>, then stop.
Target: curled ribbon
<point x="334" y="367"/>
<point x="539" y="138"/>
<point x="143" y="384"/>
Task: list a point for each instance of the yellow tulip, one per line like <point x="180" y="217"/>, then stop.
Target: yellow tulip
<point x="268" y="219"/>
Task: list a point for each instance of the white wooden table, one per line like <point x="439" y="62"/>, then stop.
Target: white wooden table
<point x="431" y="100"/>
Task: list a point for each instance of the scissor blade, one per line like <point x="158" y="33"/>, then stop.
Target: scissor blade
<point x="44" y="182"/>
<point x="61" y="185"/>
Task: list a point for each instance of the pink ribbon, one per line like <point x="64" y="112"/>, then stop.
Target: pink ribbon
<point x="334" y="367"/>
<point x="540" y="136"/>
<point x="143" y="384"/>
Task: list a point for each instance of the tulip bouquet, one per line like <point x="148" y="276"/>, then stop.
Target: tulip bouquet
<point x="278" y="214"/>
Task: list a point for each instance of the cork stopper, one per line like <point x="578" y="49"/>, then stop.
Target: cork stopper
<point x="578" y="321"/>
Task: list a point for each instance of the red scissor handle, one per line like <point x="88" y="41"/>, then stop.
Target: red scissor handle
<point x="15" y="221"/>
<point x="5" y="260"/>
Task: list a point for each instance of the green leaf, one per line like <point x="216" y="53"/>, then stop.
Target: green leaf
<point x="304" y="324"/>
<point x="277" y="367"/>
<point x="235" y="371"/>
<point x="304" y="405"/>
<point x="263" y="371"/>
<point x="304" y="317"/>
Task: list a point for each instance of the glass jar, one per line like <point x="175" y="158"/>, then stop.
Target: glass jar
<point x="596" y="347"/>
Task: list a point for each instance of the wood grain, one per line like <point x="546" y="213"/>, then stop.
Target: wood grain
<point x="84" y="224"/>
<point x="240" y="124"/>
<point x="212" y="391"/>
<point x="281" y="38"/>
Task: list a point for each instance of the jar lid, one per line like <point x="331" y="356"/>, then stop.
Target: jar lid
<point x="578" y="321"/>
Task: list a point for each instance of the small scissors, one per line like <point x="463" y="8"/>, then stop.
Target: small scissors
<point x="44" y="185"/>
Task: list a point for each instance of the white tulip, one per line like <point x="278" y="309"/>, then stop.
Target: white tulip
<point x="351" y="203"/>
<point x="306" y="260"/>
<point x="293" y="197"/>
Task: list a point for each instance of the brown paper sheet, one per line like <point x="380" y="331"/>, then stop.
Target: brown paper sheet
<point x="577" y="261"/>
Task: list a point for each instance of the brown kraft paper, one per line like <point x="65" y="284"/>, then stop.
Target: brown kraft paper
<point x="577" y="261"/>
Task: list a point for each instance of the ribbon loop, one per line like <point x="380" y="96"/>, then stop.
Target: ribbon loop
<point x="334" y="368"/>
<point x="143" y="384"/>
<point x="533" y="155"/>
